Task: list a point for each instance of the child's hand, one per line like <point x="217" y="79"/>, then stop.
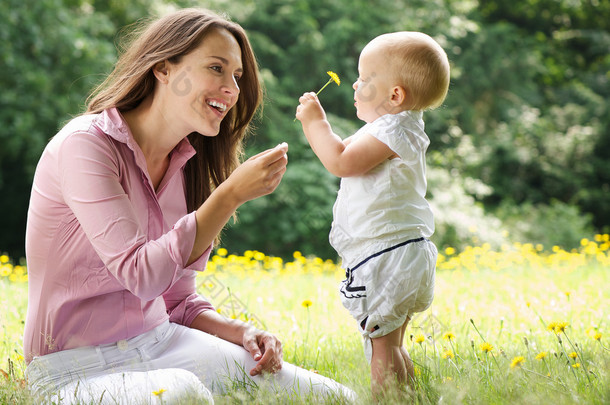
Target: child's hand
<point x="310" y="109"/>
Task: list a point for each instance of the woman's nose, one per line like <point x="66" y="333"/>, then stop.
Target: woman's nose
<point x="231" y="85"/>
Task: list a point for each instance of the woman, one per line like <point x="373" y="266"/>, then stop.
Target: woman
<point x="126" y="203"/>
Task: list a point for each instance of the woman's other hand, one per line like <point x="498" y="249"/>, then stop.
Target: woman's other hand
<point x="265" y="349"/>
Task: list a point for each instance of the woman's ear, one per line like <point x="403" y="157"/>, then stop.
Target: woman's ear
<point x="161" y="72"/>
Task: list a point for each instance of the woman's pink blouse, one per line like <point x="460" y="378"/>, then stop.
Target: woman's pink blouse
<point x="106" y="253"/>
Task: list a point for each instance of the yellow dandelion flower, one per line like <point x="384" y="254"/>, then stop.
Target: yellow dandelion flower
<point x="517" y="361"/>
<point x="576" y="365"/>
<point x="561" y="327"/>
<point x="448" y="354"/>
<point x="306" y="303"/>
<point x="335" y="77"/>
<point x="222" y="252"/>
<point x="486" y="347"/>
<point x="4" y="259"/>
<point x="594" y="334"/>
<point x="448" y="336"/>
<point x="541" y="356"/>
<point x="573" y="355"/>
<point x="449" y="251"/>
<point x="551" y="326"/>
<point x="419" y="338"/>
<point x="159" y="392"/>
<point x="567" y="293"/>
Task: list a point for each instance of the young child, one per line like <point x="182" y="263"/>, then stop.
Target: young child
<point x="382" y="220"/>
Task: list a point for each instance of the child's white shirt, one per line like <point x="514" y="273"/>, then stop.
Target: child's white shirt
<point x="386" y="205"/>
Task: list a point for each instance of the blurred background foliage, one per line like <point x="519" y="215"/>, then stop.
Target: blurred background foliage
<point x="519" y="150"/>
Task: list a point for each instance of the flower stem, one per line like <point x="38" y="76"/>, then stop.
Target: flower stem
<point x="323" y="87"/>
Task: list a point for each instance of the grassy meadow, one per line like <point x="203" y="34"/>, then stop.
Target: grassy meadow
<point x="518" y="325"/>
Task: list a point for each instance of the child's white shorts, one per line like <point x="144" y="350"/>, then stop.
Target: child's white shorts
<point x="387" y="287"/>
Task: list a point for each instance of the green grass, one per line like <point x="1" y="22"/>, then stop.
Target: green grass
<point x="510" y="309"/>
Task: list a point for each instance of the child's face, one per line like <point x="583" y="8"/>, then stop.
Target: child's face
<point x="373" y="89"/>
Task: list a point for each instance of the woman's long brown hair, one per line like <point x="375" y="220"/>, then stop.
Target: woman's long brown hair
<point x="132" y="80"/>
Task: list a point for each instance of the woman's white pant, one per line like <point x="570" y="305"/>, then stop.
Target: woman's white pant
<point x="169" y="362"/>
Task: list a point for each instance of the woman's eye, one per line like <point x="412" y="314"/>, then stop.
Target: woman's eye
<point x="217" y="69"/>
<point x="237" y="77"/>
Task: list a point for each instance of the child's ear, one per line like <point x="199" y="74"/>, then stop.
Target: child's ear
<point x="399" y="95"/>
<point x="161" y="71"/>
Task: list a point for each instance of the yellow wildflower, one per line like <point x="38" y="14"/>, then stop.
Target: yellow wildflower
<point x="419" y="338"/>
<point x="541" y="356"/>
<point x="576" y="365"/>
<point x="573" y="355"/>
<point x="594" y="334"/>
<point x="334" y="77"/>
<point x="561" y="327"/>
<point x="486" y="347"/>
<point x="222" y="252"/>
<point x="159" y="392"/>
<point x="517" y="361"/>
<point x="306" y="303"/>
<point x="448" y="336"/>
<point x="448" y="354"/>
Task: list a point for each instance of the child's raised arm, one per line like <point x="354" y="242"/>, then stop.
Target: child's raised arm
<point x="342" y="158"/>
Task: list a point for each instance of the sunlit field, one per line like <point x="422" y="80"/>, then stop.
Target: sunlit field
<point x="523" y="324"/>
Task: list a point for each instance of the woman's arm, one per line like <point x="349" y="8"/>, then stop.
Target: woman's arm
<point x="265" y="348"/>
<point x="342" y="158"/>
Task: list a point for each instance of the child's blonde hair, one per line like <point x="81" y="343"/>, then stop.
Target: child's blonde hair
<point x="420" y="64"/>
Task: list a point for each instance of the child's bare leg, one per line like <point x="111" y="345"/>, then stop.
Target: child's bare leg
<point x="406" y="357"/>
<point x="388" y="365"/>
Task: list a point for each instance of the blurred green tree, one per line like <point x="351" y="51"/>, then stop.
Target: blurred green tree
<point x="52" y="52"/>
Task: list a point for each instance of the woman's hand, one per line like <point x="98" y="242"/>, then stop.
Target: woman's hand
<point x="258" y="176"/>
<point x="265" y="349"/>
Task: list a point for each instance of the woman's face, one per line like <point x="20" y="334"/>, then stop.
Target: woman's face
<point x="204" y="85"/>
